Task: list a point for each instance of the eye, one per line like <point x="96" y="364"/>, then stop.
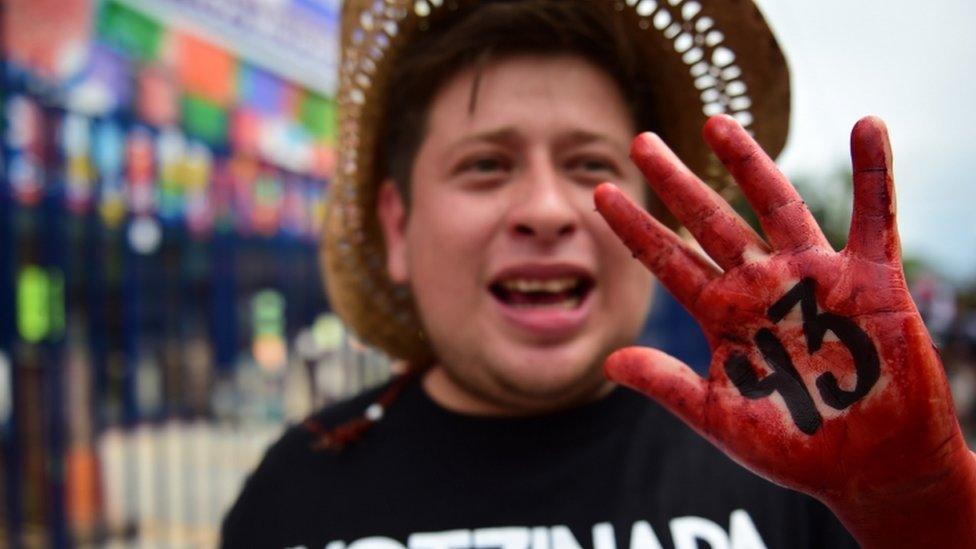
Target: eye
<point x="481" y="165"/>
<point x="486" y="165"/>
<point x="593" y="166"/>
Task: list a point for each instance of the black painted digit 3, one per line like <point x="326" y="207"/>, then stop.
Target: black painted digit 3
<point x="786" y="380"/>
<point x="815" y="327"/>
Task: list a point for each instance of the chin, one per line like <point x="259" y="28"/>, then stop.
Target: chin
<point x="551" y="375"/>
<point x="516" y="375"/>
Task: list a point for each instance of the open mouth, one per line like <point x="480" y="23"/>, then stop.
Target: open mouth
<point x="563" y="292"/>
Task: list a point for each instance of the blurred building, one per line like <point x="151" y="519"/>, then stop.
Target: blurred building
<point x="165" y="165"/>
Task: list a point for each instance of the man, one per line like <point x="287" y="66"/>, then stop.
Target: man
<point x="476" y="137"/>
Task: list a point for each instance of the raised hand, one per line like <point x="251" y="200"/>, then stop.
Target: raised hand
<point x="823" y="377"/>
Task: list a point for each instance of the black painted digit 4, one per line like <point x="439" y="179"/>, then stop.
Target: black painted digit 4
<point x="786" y="380"/>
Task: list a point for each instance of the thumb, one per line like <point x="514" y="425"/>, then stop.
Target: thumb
<point x="662" y="377"/>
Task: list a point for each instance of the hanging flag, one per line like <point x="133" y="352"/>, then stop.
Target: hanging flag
<point x="48" y="38"/>
<point x="323" y="161"/>
<point x="157" y="99"/>
<point x="260" y="90"/>
<point x="129" y="31"/>
<point x="105" y="84"/>
<point x="245" y="131"/>
<point x="204" y="119"/>
<point x="205" y="70"/>
<point x="317" y="114"/>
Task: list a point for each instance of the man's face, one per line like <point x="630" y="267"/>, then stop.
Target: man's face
<point x="522" y="288"/>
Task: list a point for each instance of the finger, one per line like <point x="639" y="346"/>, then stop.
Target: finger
<point x="723" y="235"/>
<point x="679" y="268"/>
<point x="782" y="213"/>
<point x="662" y="377"/>
<point x="874" y="233"/>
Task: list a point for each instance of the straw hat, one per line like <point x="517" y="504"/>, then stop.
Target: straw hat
<point x="712" y="56"/>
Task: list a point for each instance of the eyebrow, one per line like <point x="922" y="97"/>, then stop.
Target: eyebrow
<point x="511" y="135"/>
<point x="498" y="136"/>
<point x="583" y="137"/>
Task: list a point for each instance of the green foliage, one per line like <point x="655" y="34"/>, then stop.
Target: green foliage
<point x="827" y="195"/>
<point x="830" y="197"/>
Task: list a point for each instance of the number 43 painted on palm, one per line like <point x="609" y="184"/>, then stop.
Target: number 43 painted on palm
<point x="785" y="379"/>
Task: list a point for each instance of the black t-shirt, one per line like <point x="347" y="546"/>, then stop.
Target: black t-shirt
<point x="619" y="473"/>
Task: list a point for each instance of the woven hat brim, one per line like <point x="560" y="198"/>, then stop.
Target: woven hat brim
<point x="710" y="57"/>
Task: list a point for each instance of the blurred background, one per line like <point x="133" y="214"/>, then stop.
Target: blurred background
<point x="165" y="166"/>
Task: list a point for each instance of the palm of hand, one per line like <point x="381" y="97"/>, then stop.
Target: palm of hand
<point x="822" y="371"/>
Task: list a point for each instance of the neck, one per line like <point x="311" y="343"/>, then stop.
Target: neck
<point x="457" y="397"/>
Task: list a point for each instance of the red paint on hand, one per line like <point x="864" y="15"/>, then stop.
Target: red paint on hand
<point x="891" y="462"/>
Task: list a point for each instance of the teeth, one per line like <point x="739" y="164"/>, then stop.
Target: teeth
<point x="552" y="285"/>
<point x="566" y="304"/>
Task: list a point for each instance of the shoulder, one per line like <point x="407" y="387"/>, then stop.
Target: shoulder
<point x="292" y="466"/>
<point x="339" y="412"/>
<point x="297" y="445"/>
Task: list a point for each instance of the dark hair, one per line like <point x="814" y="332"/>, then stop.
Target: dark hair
<point x="491" y="30"/>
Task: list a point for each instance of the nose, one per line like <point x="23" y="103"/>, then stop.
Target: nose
<point x="542" y="208"/>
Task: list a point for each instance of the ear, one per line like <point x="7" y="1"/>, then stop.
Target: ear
<point x="392" y="214"/>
